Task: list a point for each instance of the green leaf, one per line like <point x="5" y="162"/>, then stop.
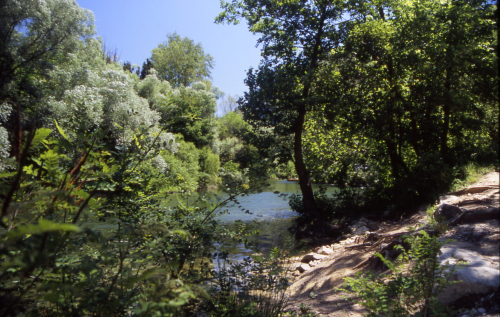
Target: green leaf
<point x="40" y="135"/>
<point x="61" y="131"/>
<point x="43" y="226"/>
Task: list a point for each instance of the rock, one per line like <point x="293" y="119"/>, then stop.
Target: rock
<point x="312" y="257"/>
<point x="362" y="221"/>
<point x="449" y="199"/>
<point x="348" y="241"/>
<point x="481" y="310"/>
<point x="372" y="226"/>
<point x="296" y="273"/>
<point x="359" y="230"/>
<point x="303" y="267"/>
<point x="478" y="276"/>
<point x="481" y="215"/>
<point x="296" y="265"/>
<point x="448" y="211"/>
<point x="312" y="263"/>
<point x="325" y="251"/>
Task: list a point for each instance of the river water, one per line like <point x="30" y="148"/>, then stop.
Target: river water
<point x="267" y="212"/>
<point x="269" y="205"/>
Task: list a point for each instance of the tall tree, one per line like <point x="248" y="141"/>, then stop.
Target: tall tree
<point x="146" y="67"/>
<point x="181" y="62"/>
<point x="417" y="79"/>
<point x="296" y="36"/>
<point x="33" y="35"/>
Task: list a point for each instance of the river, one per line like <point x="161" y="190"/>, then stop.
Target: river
<point x="268" y="212"/>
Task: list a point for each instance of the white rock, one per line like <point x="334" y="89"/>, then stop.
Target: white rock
<point x="347" y="241"/>
<point x="361" y="230"/>
<point x="479" y="275"/>
<point x="312" y="257"/>
<point x="303" y="267"/>
<point x="362" y="221"/>
<point x="313" y="263"/>
<point x="481" y="310"/>
<point x="296" y="265"/>
<point x="325" y="250"/>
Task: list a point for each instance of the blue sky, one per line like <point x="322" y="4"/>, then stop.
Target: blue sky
<point x="134" y="28"/>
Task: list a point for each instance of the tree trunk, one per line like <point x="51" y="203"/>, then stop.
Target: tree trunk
<point x="304" y="177"/>
<point x="446" y="115"/>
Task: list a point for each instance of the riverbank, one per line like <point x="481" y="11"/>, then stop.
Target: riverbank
<point x="317" y="286"/>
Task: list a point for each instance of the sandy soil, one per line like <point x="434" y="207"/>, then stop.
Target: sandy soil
<point x="318" y="288"/>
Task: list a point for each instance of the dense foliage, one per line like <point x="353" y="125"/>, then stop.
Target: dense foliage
<point x="90" y="152"/>
<point x="395" y="96"/>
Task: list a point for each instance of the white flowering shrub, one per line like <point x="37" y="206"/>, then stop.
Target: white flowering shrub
<point x="4" y="147"/>
<point x="156" y="91"/>
<point x="36" y="34"/>
<point x="99" y="95"/>
<point x="159" y="163"/>
<point x="199" y="86"/>
<point x="164" y="140"/>
<point x="229" y="147"/>
<point x="5" y="110"/>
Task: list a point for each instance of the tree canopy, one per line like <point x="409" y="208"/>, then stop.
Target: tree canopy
<point x="295" y="36"/>
<point x="393" y="85"/>
<point x="34" y="35"/>
<point x="181" y="62"/>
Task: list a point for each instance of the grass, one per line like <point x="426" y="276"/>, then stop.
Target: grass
<point x="471" y="174"/>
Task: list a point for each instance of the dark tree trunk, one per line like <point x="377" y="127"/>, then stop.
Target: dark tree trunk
<point x="304" y="177"/>
<point x="446" y="109"/>
<point x="397" y="163"/>
<point x="414" y="134"/>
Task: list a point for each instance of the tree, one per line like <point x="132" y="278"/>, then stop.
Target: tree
<point x="191" y="113"/>
<point x="417" y="80"/>
<point x="146" y="68"/>
<point x="232" y="125"/>
<point x="296" y="36"/>
<point x="132" y="68"/>
<point x="181" y="62"/>
<point x="33" y="36"/>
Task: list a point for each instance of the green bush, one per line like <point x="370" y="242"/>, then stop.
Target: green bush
<point x="53" y="264"/>
<point x="142" y="258"/>
<point x="412" y="285"/>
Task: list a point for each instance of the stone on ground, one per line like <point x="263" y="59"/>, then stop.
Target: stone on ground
<point x="477" y="275"/>
<point x="303" y="267"/>
<point x="325" y="251"/>
<point x="312" y="257"/>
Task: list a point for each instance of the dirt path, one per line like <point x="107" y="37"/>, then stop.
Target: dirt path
<point x="318" y="287"/>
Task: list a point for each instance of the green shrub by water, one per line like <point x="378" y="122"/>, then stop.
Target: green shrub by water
<point x="155" y="261"/>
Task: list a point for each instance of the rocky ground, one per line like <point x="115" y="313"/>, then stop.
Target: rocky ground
<point x="319" y="274"/>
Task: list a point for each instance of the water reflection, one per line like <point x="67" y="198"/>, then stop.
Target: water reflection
<point x="261" y="206"/>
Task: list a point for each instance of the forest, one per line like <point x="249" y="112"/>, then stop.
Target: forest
<point x="391" y="101"/>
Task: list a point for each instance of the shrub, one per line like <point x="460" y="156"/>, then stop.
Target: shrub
<point x="412" y="285"/>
